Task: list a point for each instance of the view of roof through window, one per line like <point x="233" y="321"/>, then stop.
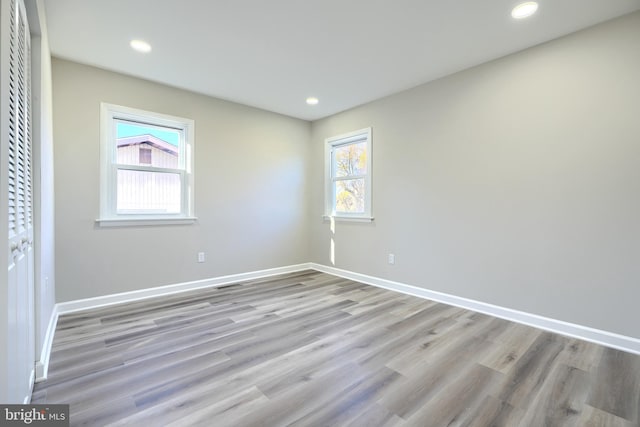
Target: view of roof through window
<point x="127" y="129"/>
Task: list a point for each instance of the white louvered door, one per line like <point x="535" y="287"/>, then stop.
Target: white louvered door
<point x="17" y="153"/>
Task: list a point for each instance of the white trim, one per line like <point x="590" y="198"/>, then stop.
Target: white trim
<point x="348" y="219"/>
<point x="32" y="380"/>
<point x="106" y="300"/>
<point x="109" y="115"/>
<point x="361" y="135"/>
<point x="608" y="339"/>
<point x="126" y="222"/>
<point x="42" y="365"/>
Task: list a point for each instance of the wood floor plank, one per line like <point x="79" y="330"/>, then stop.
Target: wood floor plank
<point x="376" y="415"/>
<point x="592" y="417"/>
<point x="103" y="413"/>
<point x="113" y="384"/>
<point x="616" y="388"/>
<point x="228" y="411"/>
<point x="428" y="376"/>
<point x="581" y="355"/>
<point x="311" y="349"/>
<point x="458" y="401"/>
<point x="495" y="413"/>
<point x="560" y="400"/>
<point x="531" y="369"/>
<point x="509" y="347"/>
<point x="353" y="401"/>
<point x="300" y="399"/>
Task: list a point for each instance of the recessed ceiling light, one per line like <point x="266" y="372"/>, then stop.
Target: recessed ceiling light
<point x="524" y="10"/>
<point x="140" y="46"/>
<point x="312" y="100"/>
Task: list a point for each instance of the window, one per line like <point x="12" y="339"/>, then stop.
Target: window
<point x="348" y="175"/>
<point x="145" y="156"/>
<point x="146" y="167"/>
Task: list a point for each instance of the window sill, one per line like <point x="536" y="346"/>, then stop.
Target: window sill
<point x="348" y="218"/>
<point x="139" y="222"/>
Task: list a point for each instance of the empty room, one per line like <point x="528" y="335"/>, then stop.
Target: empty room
<point x="340" y="213"/>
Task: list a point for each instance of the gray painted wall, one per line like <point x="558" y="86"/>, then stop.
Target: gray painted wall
<point x="515" y="183"/>
<point x="250" y="184"/>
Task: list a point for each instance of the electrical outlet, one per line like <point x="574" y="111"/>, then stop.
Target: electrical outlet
<point x="200" y="256"/>
<point x="392" y="259"/>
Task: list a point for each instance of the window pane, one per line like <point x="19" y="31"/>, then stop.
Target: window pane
<point x="161" y="145"/>
<point x="349" y="196"/>
<point x="148" y="192"/>
<point x="351" y="160"/>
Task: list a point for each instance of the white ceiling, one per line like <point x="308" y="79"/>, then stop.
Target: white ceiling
<point x="273" y="54"/>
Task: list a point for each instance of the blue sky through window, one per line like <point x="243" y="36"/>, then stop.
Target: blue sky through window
<point x="124" y="130"/>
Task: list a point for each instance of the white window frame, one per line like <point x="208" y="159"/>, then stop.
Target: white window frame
<point x="355" y="137"/>
<point x="109" y="115"/>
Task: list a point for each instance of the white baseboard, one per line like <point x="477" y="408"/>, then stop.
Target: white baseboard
<point x="609" y="339"/>
<point x="42" y="365"/>
<point x="32" y="378"/>
<point x="106" y="300"/>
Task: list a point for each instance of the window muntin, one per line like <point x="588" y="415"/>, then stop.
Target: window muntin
<point x="348" y="192"/>
<point x="147" y="171"/>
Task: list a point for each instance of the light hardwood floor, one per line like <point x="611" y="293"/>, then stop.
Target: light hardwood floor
<point x="310" y="349"/>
